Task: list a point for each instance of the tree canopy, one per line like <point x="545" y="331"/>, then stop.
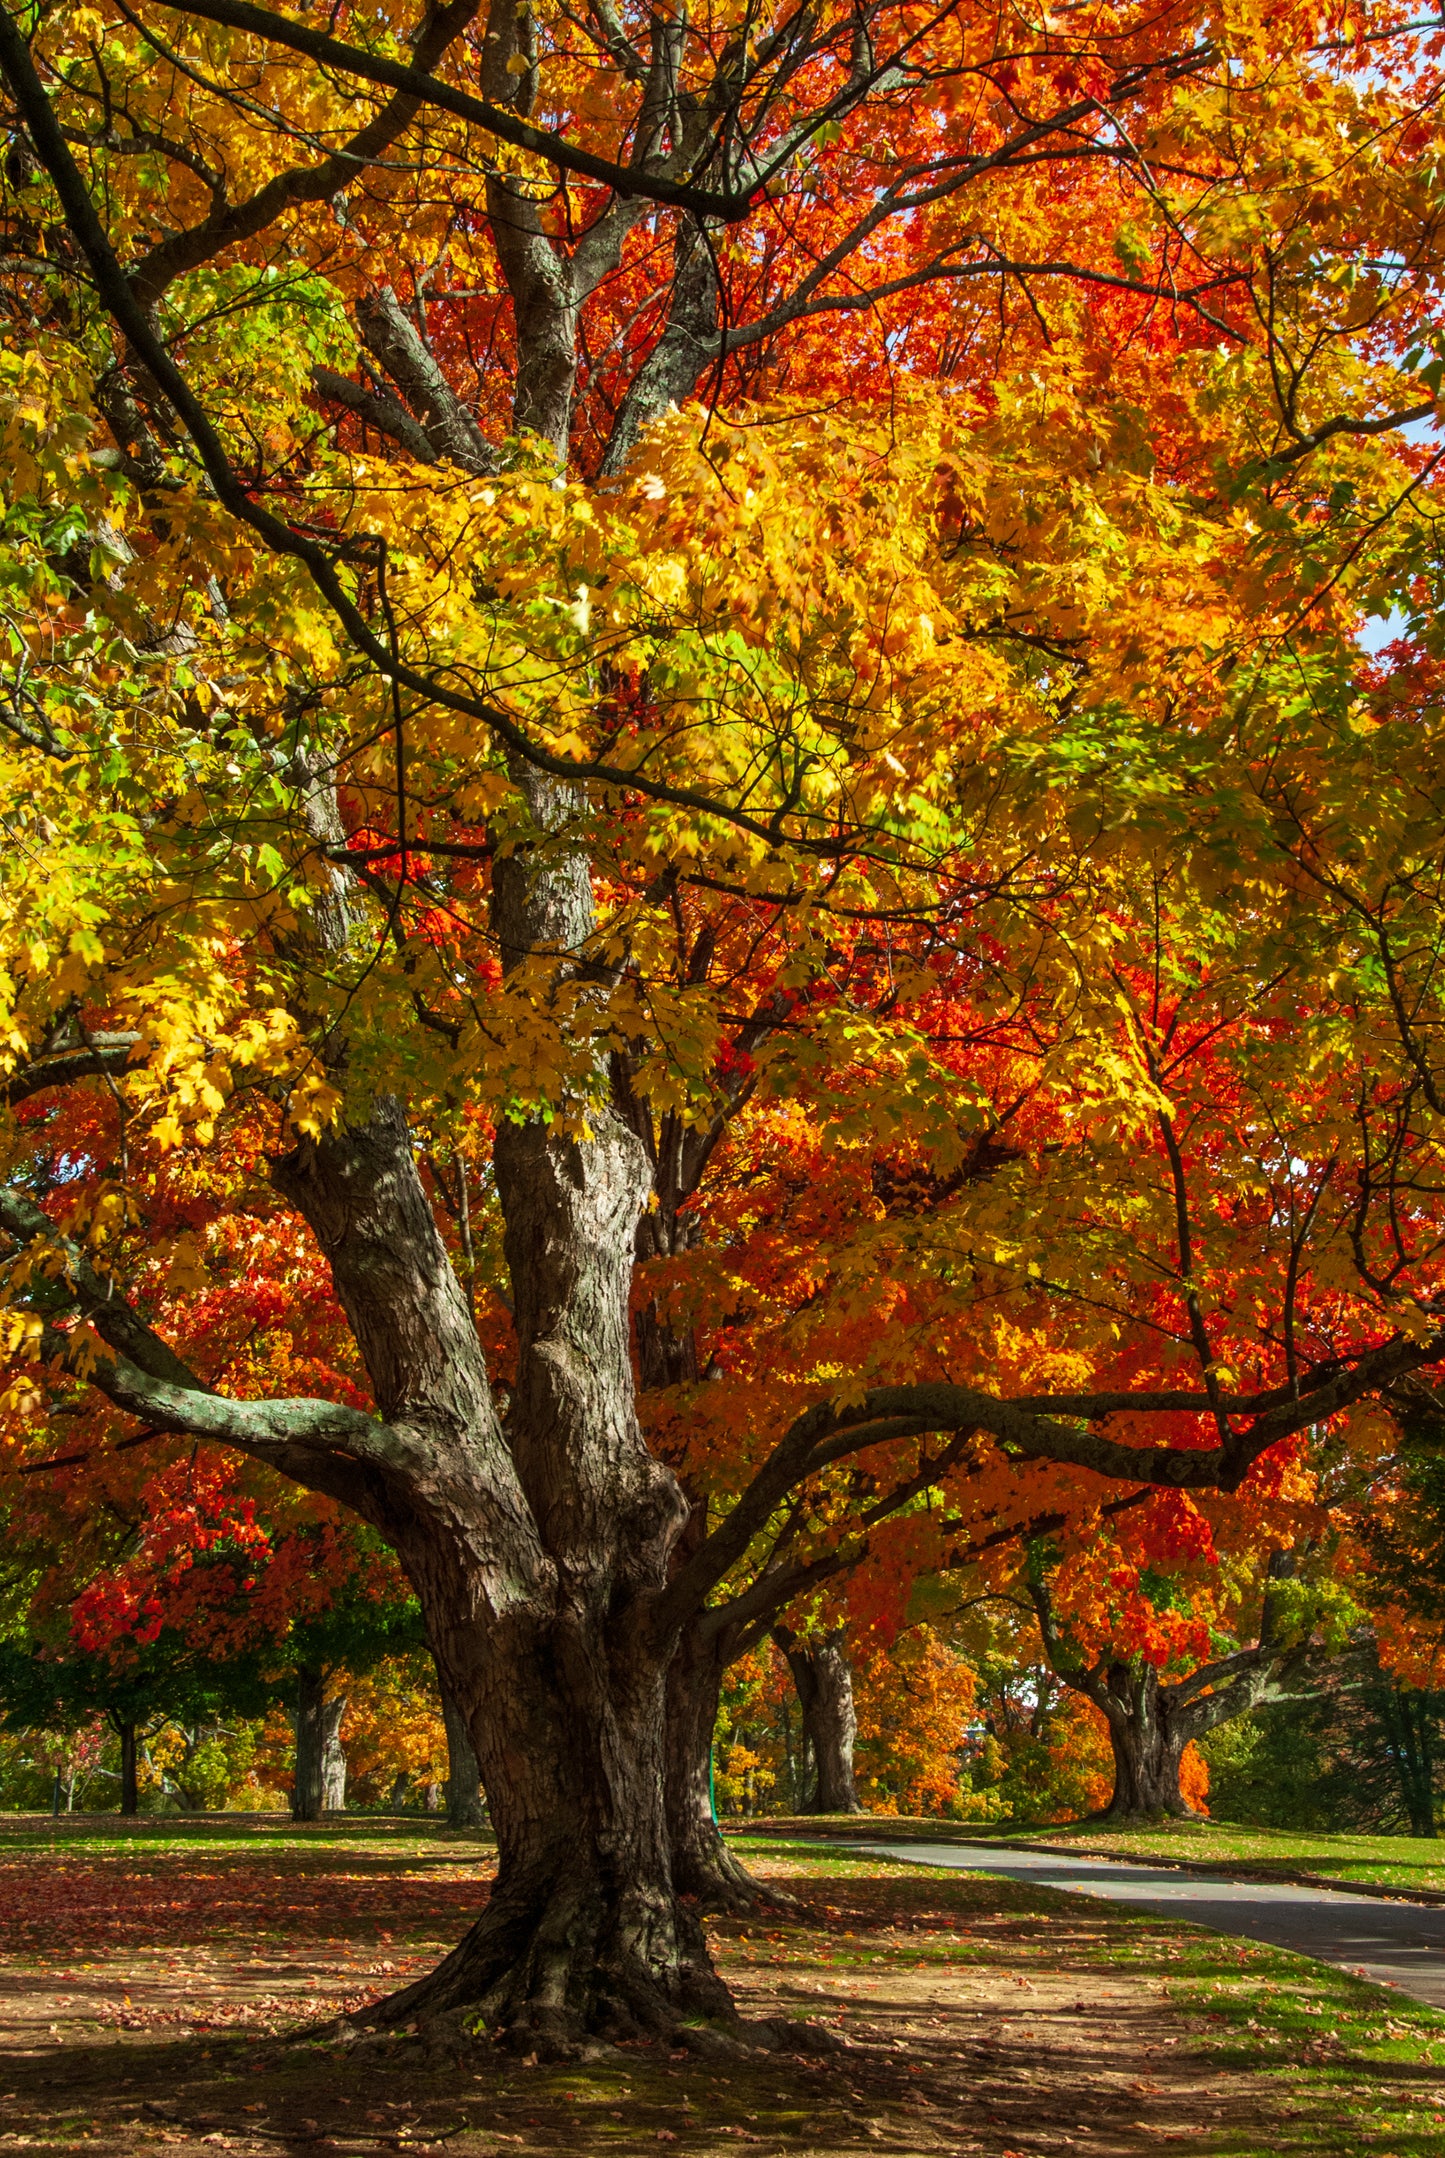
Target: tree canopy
<point x="706" y="891"/>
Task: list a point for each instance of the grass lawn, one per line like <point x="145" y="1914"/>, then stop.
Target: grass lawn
<point x="159" y="1984"/>
<point x="1404" y="1862"/>
<point x="1387" y="1861"/>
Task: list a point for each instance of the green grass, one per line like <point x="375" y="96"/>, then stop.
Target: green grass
<point x="241" y="1833"/>
<point x="1403" y="1862"/>
<point x="1360" y="2068"/>
<point x="1386" y="1861"/>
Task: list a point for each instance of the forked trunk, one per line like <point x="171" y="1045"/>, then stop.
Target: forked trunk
<point x="1148" y="1745"/>
<point x="538" y="1552"/>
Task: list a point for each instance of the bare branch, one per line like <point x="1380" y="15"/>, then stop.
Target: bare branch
<point x="446" y="425"/>
<point x="419" y="87"/>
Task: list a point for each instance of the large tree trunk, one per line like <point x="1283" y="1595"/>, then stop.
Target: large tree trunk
<point x="1148" y="1744"/>
<point x="584" y="1931"/>
<point x="538" y="1553"/>
<point x="825" y="1696"/>
<point x="465" y="1805"/>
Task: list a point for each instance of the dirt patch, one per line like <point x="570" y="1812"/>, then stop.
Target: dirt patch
<point x="978" y="2017"/>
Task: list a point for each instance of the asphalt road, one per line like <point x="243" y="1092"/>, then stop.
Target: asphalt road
<point x="1396" y="1944"/>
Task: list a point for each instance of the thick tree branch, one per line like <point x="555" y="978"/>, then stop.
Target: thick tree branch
<point x="95" y="1297"/>
<point x="420" y="87"/>
<point x="260" y="1427"/>
<point x="386" y="414"/>
<point x="101" y="1055"/>
<point x="230" y="223"/>
<point x="1027" y="1432"/>
<point x="446" y="425"/>
<point x="321" y="1444"/>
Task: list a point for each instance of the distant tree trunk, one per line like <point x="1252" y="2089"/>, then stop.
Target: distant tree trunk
<point x="400" y="1784"/>
<point x="129" y="1778"/>
<point x="333" y="1757"/>
<point x="825" y="1696"/>
<point x="465" y="1805"/>
<point x="308" y="1792"/>
<point x="1408" y="1723"/>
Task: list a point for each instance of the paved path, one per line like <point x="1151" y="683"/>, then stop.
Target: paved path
<point x="1397" y="1944"/>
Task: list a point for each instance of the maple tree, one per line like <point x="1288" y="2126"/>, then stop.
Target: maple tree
<point x="463" y="805"/>
<point x="183" y="1591"/>
<point x="1164" y="1684"/>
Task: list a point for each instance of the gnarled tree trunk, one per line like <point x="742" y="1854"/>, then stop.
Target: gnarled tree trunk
<point x="824" y="1682"/>
<point x="1148" y="1743"/>
<point x="1150" y="1723"/>
<point x="538" y="1553"/>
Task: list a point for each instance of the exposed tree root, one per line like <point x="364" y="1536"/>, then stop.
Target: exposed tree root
<point x="558" y="1972"/>
<point x="715" y="1878"/>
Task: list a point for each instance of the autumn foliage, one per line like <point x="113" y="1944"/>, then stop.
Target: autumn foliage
<point x="709" y="916"/>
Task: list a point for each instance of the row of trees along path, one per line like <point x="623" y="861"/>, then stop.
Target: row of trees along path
<point x="530" y="853"/>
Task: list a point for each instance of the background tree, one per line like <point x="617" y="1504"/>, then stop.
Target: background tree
<point x="1153" y="1626"/>
<point x="137" y="1694"/>
<point x="1366" y="1756"/>
<point x="819" y="1666"/>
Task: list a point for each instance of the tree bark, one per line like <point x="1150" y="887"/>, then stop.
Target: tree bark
<point x="309" y="1723"/>
<point x="825" y="1696"/>
<point x="129" y="1777"/>
<point x="702" y="1865"/>
<point x="1151" y="1723"/>
<point x="1148" y="1745"/>
<point x="538" y="1551"/>
<point x="333" y="1757"/>
<point x="584" y="1932"/>
<point x="465" y="1805"/>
